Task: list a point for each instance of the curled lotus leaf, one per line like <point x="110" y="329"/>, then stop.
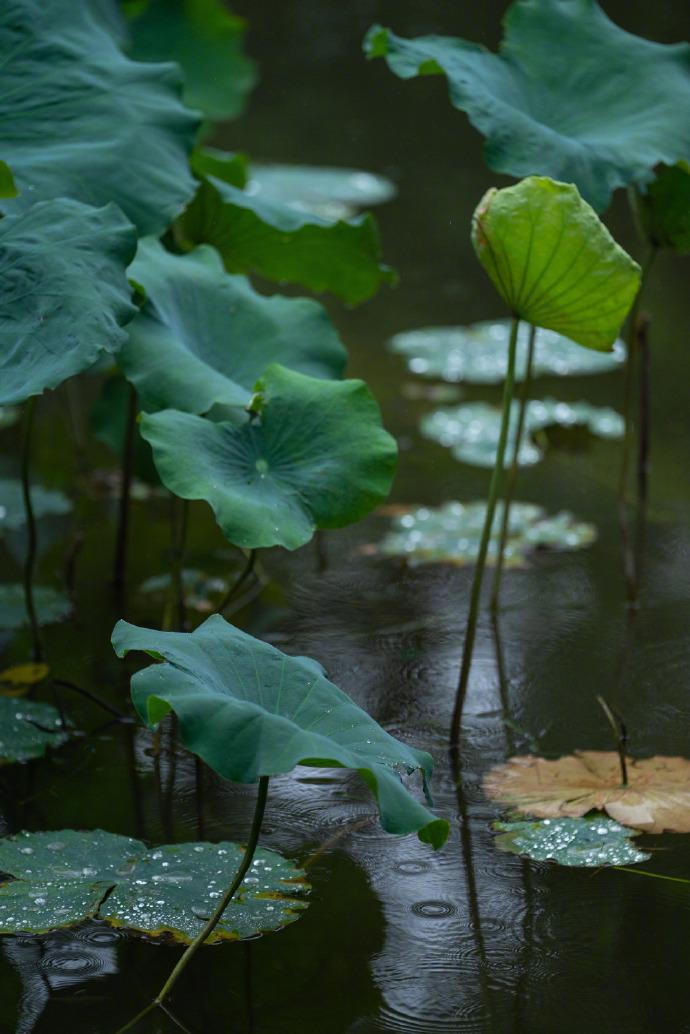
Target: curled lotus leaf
<point x="67" y="876"/>
<point x="51" y="605"/>
<point x="329" y="192"/>
<point x="27" y="729"/>
<point x="122" y="134"/>
<point x="311" y="454"/>
<point x="554" y="262"/>
<point x="249" y="710"/>
<point x="45" y="502"/>
<point x="478" y="353"/>
<point x="471" y="430"/>
<point x="451" y="533"/>
<point x="656" y="797"/>
<point x="204" y="337"/>
<point x="579" y="842"/>
<point x="569" y="95"/>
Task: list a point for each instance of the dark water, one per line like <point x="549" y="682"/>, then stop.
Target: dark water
<point x="397" y="938"/>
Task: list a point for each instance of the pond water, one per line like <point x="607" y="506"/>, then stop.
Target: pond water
<point x="397" y="938"/>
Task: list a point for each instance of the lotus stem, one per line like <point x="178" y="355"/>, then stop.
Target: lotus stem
<point x="175" y="609"/>
<point x="217" y="914"/>
<point x="496" y="479"/>
<point x="121" y="541"/>
<point x="642" y="338"/>
<point x="30" y="561"/>
<point x="239" y="582"/>
<point x="620" y="734"/>
<point x="513" y="473"/>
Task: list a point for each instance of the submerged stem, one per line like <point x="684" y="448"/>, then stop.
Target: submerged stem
<point x="30" y="561"/>
<point x="513" y="473"/>
<point x="496" y="477"/>
<point x="217" y="914"/>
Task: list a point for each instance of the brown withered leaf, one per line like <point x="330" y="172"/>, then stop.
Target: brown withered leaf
<point x="657" y="796"/>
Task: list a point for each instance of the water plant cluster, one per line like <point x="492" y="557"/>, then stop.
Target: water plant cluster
<point x="150" y="266"/>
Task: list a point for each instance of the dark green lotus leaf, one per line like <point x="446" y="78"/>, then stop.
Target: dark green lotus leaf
<point x="554" y="262"/>
<point x="8" y="187"/>
<point x="451" y="533"/>
<point x="256" y="235"/>
<point x="65" y="295"/>
<point x="569" y="95"/>
<point x="67" y="876"/>
<point x="249" y="710"/>
<point x="229" y="166"/>
<point x="45" y="503"/>
<point x="471" y="430"/>
<point x="204" y="337"/>
<point x="27" y="729"/>
<point x="582" y="842"/>
<point x="329" y="192"/>
<point x="207" y="41"/>
<point x="82" y="120"/>
<point x="478" y="353"/>
<point x="51" y="606"/>
<point x="662" y="209"/>
<point x="312" y="454"/>
<point x="174" y="888"/>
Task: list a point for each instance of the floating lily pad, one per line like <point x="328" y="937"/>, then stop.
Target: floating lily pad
<point x="44" y="501"/>
<point x="569" y="94"/>
<point x="81" y="120"/>
<point x="50" y="605"/>
<point x="471" y="430"/>
<point x="199" y="588"/>
<point x="451" y="533"/>
<point x="206" y="40"/>
<point x="65" y="877"/>
<point x="66" y="296"/>
<point x="328" y="192"/>
<point x="27" y="730"/>
<point x="313" y="456"/>
<point x="204" y="337"/>
<point x="478" y="353"/>
<point x="578" y="842"/>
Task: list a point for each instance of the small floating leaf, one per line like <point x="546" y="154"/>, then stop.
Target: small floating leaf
<point x="663" y="208"/>
<point x="657" y="796"/>
<point x="65" y="877"/>
<point x="249" y="711"/>
<point x="27" y="729"/>
<point x="451" y="533"/>
<point x="478" y="353"/>
<point x="50" y="605"/>
<point x="328" y="192"/>
<point x="44" y="501"/>
<point x="17" y="680"/>
<point x="554" y="262"/>
<point x="314" y="456"/>
<point x="589" y="842"/>
<point x="471" y="430"/>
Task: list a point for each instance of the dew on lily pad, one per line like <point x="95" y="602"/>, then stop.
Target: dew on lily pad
<point x="451" y="533"/>
<point x="583" y="842"/>
<point x="27" y="729"/>
<point x="471" y="430"/>
<point x="478" y="353"/>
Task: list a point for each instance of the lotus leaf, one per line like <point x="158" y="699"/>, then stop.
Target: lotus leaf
<point x="569" y="95"/>
<point x="27" y="729"/>
<point x="311" y="454"/>
<point x="248" y="710"/>
<point x="206" y="40"/>
<point x="259" y="235"/>
<point x="8" y="187"/>
<point x="201" y="591"/>
<point x="65" y="295"/>
<point x="229" y="166"/>
<point x="657" y="796"/>
<point x="50" y="605"/>
<point x="663" y="209"/>
<point x="554" y="262"/>
<point x="577" y="842"/>
<point x="65" y="877"/>
<point x="44" y="501"/>
<point x="204" y="337"/>
<point x="471" y="429"/>
<point x="83" y="121"/>
<point x="478" y="353"/>
<point x="328" y="192"/>
<point x="451" y="533"/>
<point x="9" y="415"/>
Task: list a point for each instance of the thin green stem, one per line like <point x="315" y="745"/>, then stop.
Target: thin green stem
<point x="513" y="473"/>
<point x="175" y="610"/>
<point x="120" y="565"/>
<point x="620" y="736"/>
<point x="239" y="582"/>
<point x="32" y="544"/>
<point x="496" y="479"/>
<point x="217" y="914"/>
